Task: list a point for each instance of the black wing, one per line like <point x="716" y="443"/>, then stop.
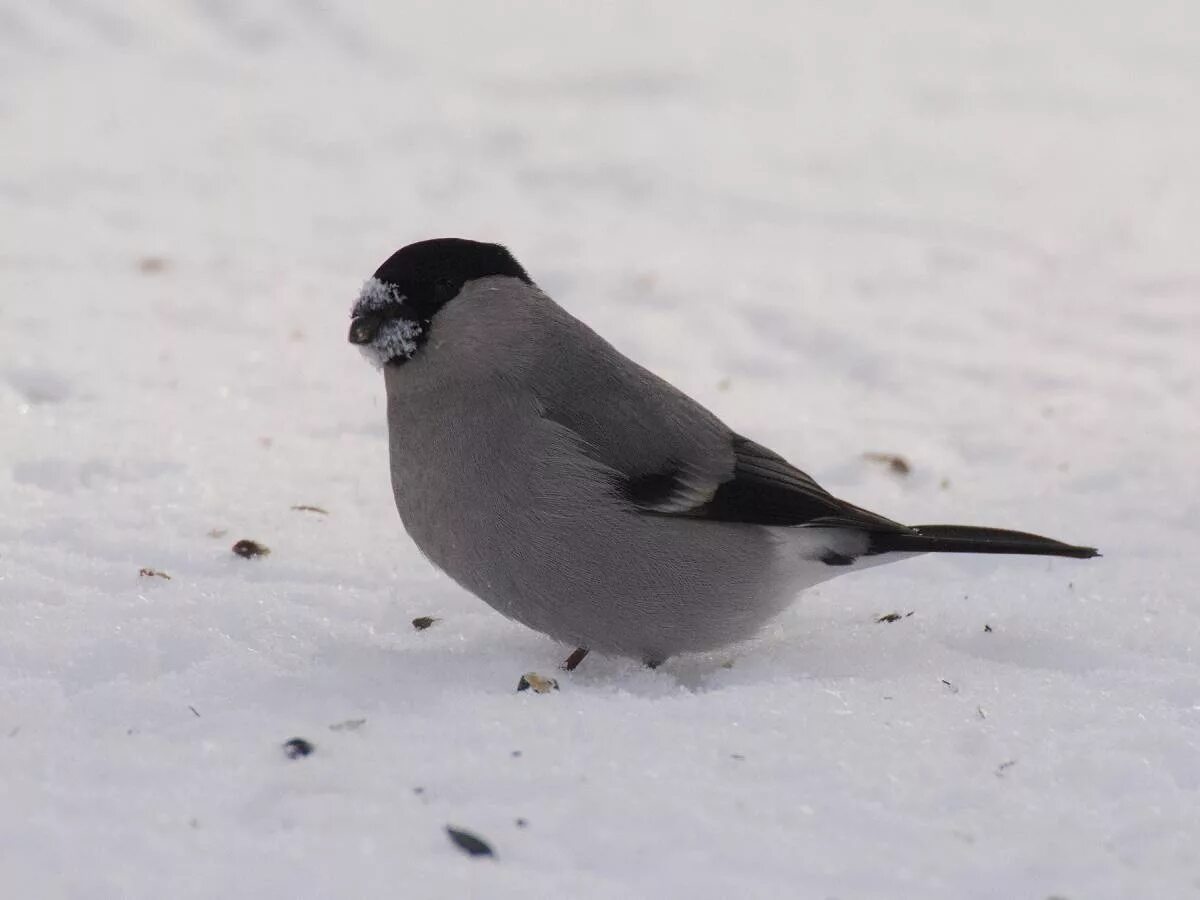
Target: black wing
<point x="762" y="489"/>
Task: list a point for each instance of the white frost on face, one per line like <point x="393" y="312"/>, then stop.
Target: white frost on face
<point x="396" y="337"/>
<point x="374" y="296"/>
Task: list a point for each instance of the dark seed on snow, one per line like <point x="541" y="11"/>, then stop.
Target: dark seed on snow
<point x="151" y="265"/>
<point x="422" y="622"/>
<point x="248" y="549"/>
<point x="469" y="843"/>
<point x="298" y="747"/>
<point x="896" y="464"/>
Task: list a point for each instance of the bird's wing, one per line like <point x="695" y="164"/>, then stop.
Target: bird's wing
<point x="665" y="453"/>
<point x="744" y="482"/>
<point x="762" y="489"/>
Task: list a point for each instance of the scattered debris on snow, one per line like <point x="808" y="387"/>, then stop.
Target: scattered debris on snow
<point x="248" y="549"/>
<point x="895" y="463"/>
<point x="298" y="747"/>
<point x="152" y="265"/>
<point x="539" y="684"/>
<point x="469" y="843"/>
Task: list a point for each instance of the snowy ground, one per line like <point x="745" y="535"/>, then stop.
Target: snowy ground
<point x="966" y="236"/>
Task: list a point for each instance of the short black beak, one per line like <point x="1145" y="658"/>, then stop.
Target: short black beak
<point x="363" y="329"/>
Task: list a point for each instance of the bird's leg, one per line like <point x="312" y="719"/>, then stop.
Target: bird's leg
<point x="574" y="659"/>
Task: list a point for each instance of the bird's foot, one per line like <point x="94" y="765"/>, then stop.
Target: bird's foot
<point x="574" y="659"/>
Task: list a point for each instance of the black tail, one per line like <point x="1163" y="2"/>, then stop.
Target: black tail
<point x="968" y="539"/>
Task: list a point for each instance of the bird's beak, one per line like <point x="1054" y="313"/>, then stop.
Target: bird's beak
<point x="363" y="329"/>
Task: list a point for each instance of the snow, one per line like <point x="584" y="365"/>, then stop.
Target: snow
<point x="395" y="337"/>
<point x="964" y="233"/>
<point x="374" y="296"/>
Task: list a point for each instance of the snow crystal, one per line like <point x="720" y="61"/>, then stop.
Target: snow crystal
<point x="396" y="336"/>
<point x="376" y="295"/>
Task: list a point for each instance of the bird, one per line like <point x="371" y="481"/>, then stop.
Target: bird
<point x="576" y="492"/>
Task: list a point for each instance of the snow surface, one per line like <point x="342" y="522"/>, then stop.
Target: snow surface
<point x="962" y="232"/>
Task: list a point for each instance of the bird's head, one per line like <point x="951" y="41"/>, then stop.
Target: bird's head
<point x="398" y="306"/>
